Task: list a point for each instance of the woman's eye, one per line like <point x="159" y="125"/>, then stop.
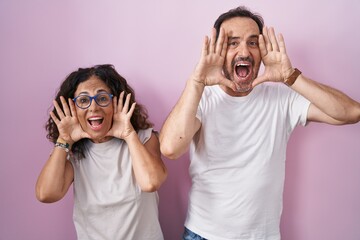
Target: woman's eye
<point x="84" y="100"/>
<point x="103" y="98"/>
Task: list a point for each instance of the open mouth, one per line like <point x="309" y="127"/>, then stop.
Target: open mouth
<point x="95" y="122"/>
<point x="244" y="76"/>
<point x="242" y="70"/>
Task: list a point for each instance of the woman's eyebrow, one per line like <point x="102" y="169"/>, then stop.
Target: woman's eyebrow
<point x="97" y="91"/>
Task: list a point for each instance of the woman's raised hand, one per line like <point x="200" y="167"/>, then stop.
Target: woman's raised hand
<point x="122" y="127"/>
<point x="67" y="123"/>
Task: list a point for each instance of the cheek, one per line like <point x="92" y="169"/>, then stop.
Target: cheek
<point x="228" y="60"/>
<point x="81" y="117"/>
<point x="230" y="55"/>
<point x="257" y="56"/>
<point x="109" y="115"/>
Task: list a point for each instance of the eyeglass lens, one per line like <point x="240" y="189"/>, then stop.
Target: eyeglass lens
<point x="102" y="99"/>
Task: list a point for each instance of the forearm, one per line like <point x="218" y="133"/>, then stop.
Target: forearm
<point x="54" y="179"/>
<point x="181" y="124"/>
<point x="330" y="101"/>
<point x="150" y="172"/>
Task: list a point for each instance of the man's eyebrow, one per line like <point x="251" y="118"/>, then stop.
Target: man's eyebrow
<point x="254" y="36"/>
<point x="236" y="38"/>
<point x="233" y="38"/>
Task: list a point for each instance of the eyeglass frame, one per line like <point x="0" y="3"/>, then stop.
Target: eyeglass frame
<point x="91" y="98"/>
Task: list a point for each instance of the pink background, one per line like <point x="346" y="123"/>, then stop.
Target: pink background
<point x="155" y="45"/>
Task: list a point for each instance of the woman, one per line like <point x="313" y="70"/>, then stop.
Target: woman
<point x="115" y="161"/>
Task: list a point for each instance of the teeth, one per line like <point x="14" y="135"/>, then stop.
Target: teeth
<point x="242" y="64"/>
<point x="95" y="118"/>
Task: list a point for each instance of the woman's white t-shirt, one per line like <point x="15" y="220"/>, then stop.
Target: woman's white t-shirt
<point x="109" y="204"/>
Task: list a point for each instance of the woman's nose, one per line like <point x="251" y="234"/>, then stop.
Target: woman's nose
<point x="93" y="105"/>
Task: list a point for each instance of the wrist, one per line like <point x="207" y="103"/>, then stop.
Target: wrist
<point x="130" y="136"/>
<point x="292" y="77"/>
<point x="64" y="142"/>
<point x="195" y="82"/>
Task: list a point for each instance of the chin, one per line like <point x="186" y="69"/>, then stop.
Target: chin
<point x="244" y="89"/>
<point x="244" y="86"/>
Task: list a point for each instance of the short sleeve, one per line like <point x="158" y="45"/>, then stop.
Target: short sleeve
<point x="145" y="134"/>
<point x="298" y="107"/>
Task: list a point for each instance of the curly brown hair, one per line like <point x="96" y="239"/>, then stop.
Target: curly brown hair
<point x="114" y="81"/>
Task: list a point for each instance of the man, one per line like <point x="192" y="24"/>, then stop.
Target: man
<point x="237" y="128"/>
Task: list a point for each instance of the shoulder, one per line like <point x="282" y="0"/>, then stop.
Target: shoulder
<point x="145" y="134"/>
<point x="276" y="90"/>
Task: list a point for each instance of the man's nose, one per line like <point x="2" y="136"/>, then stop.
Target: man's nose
<point x="243" y="50"/>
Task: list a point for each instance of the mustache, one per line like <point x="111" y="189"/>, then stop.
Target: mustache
<point x="243" y="59"/>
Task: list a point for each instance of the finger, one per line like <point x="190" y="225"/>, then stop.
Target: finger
<point x="84" y="135"/>
<point x="205" y="47"/>
<point x="110" y="133"/>
<point x="228" y="83"/>
<point x="127" y="102"/>
<point x="120" y="102"/>
<point x="262" y="46"/>
<point x="54" y="118"/>
<point x="212" y="43"/>
<point x="266" y="39"/>
<point x="220" y="42"/>
<point x="131" y="111"/>
<point x="114" y="101"/>
<point x="224" y="46"/>
<point x="273" y="39"/>
<point x="58" y="110"/>
<point x="72" y="107"/>
<point x="282" y="46"/>
<point x="65" y="106"/>
<point x="258" y="80"/>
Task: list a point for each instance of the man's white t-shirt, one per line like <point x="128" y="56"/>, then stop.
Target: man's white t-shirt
<point x="238" y="161"/>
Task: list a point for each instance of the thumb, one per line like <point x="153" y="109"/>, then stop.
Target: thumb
<point x="258" y="80"/>
<point x="227" y="83"/>
<point x="85" y="135"/>
<point x="110" y="133"/>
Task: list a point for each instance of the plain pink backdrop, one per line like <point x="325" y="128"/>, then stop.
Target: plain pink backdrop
<point x="155" y="45"/>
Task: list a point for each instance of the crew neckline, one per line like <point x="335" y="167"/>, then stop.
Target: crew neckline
<point x="103" y="144"/>
<point x="248" y="97"/>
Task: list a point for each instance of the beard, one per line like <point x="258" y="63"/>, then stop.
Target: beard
<point x="241" y="87"/>
<point x="244" y="85"/>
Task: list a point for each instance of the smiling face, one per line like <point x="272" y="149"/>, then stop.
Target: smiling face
<point x="243" y="55"/>
<point x="95" y="120"/>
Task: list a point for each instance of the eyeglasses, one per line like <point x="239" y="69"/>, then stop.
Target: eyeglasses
<point x="101" y="99"/>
